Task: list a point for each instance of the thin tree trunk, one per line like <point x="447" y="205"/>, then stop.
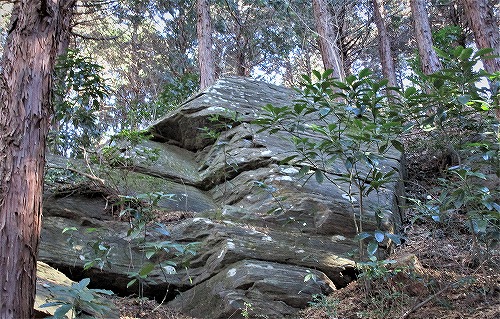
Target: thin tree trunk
<point x="308" y="65"/>
<point x="384" y="45"/>
<point x="240" y="58"/>
<point x="25" y="82"/>
<point x="241" y="67"/>
<point x="330" y="52"/>
<point x="288" y="76"/>
<point x="62" y="49"/>
<point x="429" y="60"/>
<point x="484" y="24"/>
<point x="205" y="57"/>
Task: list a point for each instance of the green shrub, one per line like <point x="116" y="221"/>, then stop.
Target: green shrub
<point x="344" y="133"/>
<point x="78" y="301"/>
<point x="456" y="115"/>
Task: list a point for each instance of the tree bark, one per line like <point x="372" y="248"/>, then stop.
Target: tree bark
<point x="205" y="57"/>
<point x="25" y="83"/>
<point x="241" y="61"/>
<point x="429" y="60"/>
<point x="328" y="37"/>
<point x="483" y="22"/>
<point x="241" y="44"/>
<point x="384" y="45"/>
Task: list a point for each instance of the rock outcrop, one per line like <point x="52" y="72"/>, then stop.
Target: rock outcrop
<point x="258" y="229"/>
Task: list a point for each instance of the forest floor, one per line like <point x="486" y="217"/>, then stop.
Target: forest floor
<point x="437" y="274"/>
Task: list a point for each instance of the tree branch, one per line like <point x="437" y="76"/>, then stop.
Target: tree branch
<point x="88" y="37"/>
<point x="94" y="178"/>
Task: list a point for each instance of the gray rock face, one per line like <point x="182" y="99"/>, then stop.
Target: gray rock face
<point x="259" y="229"/>
<point x="272" y="290"/>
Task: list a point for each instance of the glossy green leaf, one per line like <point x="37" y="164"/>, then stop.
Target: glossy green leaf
<point x="398" y="145"/>
<point x="103" y="291"/>
<point x="362" y="236"/>
<point x="86" y="295"/>
<point x="83" y="283"/>
<point x="394" y="237"/>
<point x="130" y="283"/>
<point x="379" y="236"/>
<point x="318" y="174"/>
<point x="438" y="83"/>
<point x="67" y="229"/>
<point x="364" y="73"/>
<point x="287" y="160"/>
<point x="483" y="52"/>
<point x="479" y="225"/>
<point x="63" y="310"/>
<point x="304" y="170"/>
<point x="316" y="74"/>
<point x="146" y="269"/>
<point x="466" y="54"/>
<point x="463" y="99"/>
<point x="327" y="73"/>
<point x="372" y="248"/>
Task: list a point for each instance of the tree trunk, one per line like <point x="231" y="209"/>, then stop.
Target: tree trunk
<point x="241" y="68"/>
<point x="308" y="66"/>
<point x="328" y="43"/>
<point x="384" y="45"/>
<point x="25" y="83"/>
<point x="205" y="57"/>
<point x="428" y="58"/>
<point x="241" y="46"/>
<point x="484" y="24"/>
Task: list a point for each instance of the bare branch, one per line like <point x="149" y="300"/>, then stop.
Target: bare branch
<point x="88" y="37"/>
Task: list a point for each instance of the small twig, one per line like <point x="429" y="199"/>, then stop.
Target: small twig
<point x="86" y="158"/>
<point x="94" y="178"/>
<point x="89" y="37"/>
<point x="91" y="177"/>
<point x="420" y="305"/>
<point x="164" y="297"/>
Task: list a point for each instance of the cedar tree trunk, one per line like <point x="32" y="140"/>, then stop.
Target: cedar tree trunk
<point x="429" y="60"/>
<point x="205" y="57"/>
<point x="484" y="24"/>
<point x="328" y="37"/>
<point x="241" y="46"/>
<point x="384" y="45"/>
<point x="25" y="83"/>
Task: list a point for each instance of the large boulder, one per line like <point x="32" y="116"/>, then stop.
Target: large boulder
<point x="270" y="290"/>
<point x="259" y="229"/>
<point x="240" y="158"/>
<point x="223" y="243"/>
